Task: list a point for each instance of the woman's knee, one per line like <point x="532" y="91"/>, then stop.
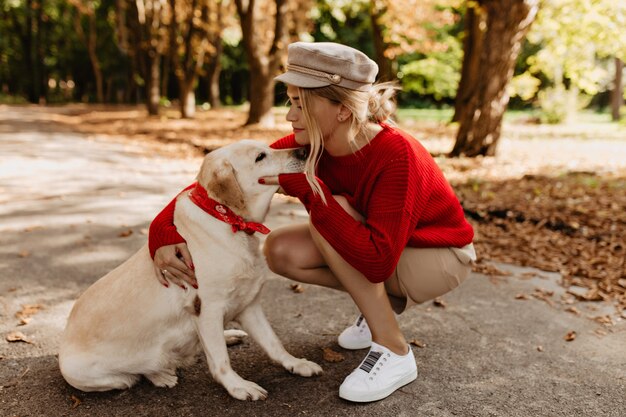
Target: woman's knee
<point x="290" y="247"/>
<point x="276" y="252"/>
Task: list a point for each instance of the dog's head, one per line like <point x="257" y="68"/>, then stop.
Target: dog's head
<point x="230" y="175"/>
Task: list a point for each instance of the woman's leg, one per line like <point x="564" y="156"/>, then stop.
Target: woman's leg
<point x="299" y="252"/>
<point x="370" y="298"/>
<point x="291" y="252"/>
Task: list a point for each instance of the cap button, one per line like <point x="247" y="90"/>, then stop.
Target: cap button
<point x="334" y="78"/>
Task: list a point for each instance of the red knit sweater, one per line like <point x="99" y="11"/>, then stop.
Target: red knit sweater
<point x="393" y="182"/>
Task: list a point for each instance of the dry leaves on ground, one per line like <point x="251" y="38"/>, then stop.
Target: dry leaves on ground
<point x="332" y="356"/>
<point x="26" y="313"/>
<point x="297" y="288"/>
<point x="570" y="336"/>
<point x="418" y="343"/>
<point x="572" y="224"/>
<point x="18" y="337"/>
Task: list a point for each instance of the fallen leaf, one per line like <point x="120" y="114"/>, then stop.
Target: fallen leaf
<point x="332" y="356"/>
<point x="544" y="295"/>
<point x="18" y="337"/>
<point x="438" y="302"/>
<point x="571" y="335"/>
<point x="418" y="343"/>
<point x="573" y="310"/>
<point x="297" y="288"/>
<point x="489" y="269"/>
<point x="521" y="297"/>
<point x="75" y="401"/>
<point x="28" y="310"/>
<point x="125" y="233"/>
<point x="606" y="320"/>
<point x="601" y="332"/>
<point x="496" y="280"/>
<point x="25" y="320"/>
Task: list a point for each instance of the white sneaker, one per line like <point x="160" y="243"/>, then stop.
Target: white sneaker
<point x="357" y="336"/>
<point x="380" y="374"/>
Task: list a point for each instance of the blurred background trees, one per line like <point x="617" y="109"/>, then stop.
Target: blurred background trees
<point x="551" y="57"/>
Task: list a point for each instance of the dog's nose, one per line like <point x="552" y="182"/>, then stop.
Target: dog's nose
<point x="301" y="153"/>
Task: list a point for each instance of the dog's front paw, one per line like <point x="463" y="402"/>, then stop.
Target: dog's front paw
<point x="303" y="367"/>
<point x="163" y="379"/>
<point x="247" y="391"/>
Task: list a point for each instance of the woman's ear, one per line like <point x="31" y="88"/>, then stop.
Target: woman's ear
<point x="343" y="114"/>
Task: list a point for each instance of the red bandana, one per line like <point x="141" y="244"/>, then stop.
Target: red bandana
<point x="201" y="199"/>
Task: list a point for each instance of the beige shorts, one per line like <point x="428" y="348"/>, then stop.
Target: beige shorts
<point x="424" y="274"/>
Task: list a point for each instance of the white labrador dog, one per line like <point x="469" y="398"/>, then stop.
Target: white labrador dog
<point x="127" y="324"/>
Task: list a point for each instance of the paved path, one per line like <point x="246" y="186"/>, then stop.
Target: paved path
<point x="68" y="205"/>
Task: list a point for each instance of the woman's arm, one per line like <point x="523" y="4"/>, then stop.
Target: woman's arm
<point x="372" y="247"/>
<point x="172" y="259"/>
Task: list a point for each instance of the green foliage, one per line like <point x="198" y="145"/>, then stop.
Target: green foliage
<point x="569" y="49"/>
<point x="436" y="74"/>
<point x="573" y="39"/>
<point x="343" y="21"/>
<point x="559" y="105"/>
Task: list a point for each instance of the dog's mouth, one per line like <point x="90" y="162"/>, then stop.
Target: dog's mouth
<point x="301" y="153"/>
<point x="295" y="166"/>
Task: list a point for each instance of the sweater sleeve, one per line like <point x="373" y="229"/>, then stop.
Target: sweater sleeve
<point x="286" y="142"/>
<point x="373" y="248"/>
<point x="162" y="231"/>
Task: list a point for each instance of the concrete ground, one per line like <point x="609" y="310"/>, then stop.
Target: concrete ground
<point x="73" y="207"/>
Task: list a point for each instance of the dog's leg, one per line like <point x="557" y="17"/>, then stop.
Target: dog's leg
<point x="253" y="320"/>
<point x="210" y="327"/>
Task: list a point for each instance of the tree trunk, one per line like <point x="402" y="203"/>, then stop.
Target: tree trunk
<point x="385" y="66"/>
<point x="475" y="18"/>
<point x="153" y="83"/>
<point x="262" y="95"/>
<point x="480" y="118"/>
<point x="29" y="54"/>
<point x="93" y="56"/>
<point x="165" y="75"/>
<point x="617" y="95"/>
<point x="187" y="100"/>
<point x="213" y="75"/>
<point x="263" y="66"/>
<point x="91" y="43"/>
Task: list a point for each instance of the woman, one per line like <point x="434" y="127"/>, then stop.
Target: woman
<point x="385" y="226"/>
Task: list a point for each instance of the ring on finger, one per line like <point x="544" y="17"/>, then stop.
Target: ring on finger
<point x="163" y="271"/>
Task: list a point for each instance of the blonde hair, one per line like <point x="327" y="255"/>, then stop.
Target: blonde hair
<point x="376" y="105"/>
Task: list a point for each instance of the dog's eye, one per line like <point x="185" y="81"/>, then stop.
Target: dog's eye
<point x="260" y="157"/>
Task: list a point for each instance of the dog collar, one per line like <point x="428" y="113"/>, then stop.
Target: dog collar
<point x="221" y="212"/>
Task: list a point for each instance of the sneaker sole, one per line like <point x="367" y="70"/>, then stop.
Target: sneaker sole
<point x="355" y="346"/>
<point x="366" y="397"/>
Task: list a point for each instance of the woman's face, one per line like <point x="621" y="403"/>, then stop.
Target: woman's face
<point x="323" y="112"/>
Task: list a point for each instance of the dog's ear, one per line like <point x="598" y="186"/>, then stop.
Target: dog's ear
<point x="218" y="177"/>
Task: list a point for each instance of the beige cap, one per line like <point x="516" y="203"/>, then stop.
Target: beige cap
<point x="312" y="65"/>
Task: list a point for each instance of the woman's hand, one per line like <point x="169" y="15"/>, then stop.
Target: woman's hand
<point x="173" y="263"/>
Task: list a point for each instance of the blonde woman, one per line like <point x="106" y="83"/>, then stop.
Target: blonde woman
<point x="385" y="225"/>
